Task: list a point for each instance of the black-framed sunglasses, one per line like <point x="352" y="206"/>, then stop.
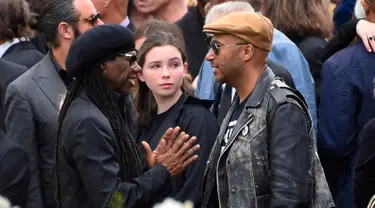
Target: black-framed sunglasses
<point x="208" y="40"/>
<point x="215" y="47"/>
<point x="93" y="19"/>
<point x="130" y="57"/>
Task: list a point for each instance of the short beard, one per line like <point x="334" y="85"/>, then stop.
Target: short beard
<point x="76" y="31"/>
<point x="235" y="66"/>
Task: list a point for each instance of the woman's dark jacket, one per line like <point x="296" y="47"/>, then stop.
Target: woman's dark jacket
<point x="312" y="49"/>
<point x="194" y="117"/>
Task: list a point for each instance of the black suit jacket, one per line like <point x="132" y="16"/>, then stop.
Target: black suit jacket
<point x="191" y="26"/>
<point x="23" y="53"/>
<point x="9" y="72"/>
<point x="88" y="163"/>
<point x="14" y="171"/>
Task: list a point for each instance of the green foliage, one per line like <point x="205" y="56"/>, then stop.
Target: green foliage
<point x="117" y="201"/>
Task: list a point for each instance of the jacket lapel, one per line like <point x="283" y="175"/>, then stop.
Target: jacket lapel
<point x="245" y="118"/>
<point x="49" y="82"/>
<point x="253" y="101"/>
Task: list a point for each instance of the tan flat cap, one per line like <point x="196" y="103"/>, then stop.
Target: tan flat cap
<point x="253" y="28"/>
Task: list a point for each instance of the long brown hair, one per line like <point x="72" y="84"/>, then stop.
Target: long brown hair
<point x="152" y="26"/>
<point x="145" y="101"/>
<point x="300" y="18"/>
<point x="15" y="20"/>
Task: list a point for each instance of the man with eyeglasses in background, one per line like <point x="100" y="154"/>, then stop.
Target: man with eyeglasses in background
<point x="33" y="100"/>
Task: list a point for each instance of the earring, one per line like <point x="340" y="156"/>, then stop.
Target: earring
<point x="104" y="68"/>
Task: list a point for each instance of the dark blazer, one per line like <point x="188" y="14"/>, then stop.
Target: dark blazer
<point x="9" y="72"/>
<point x="88" y="166"/>
<point x="14" y="171"/>
<point x="191" y="26"/>
<point x="23" y="53"/>
<point x="32" y="104"/>
<point x="347" y="104"/>
<point x="341" y="40"/>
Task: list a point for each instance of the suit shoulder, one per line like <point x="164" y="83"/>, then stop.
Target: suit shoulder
<point x="82" y="111"/>
<point x="6" y="66"/>
<point x="346" y="55"/>
<point x="24" y="81"/>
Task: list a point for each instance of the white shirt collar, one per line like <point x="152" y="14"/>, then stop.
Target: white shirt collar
<point x="5" y="46"/>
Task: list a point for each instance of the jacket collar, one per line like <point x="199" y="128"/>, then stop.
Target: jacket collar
<point x="49" y="81"/>
<point x="18" y="45"/>
<point x="260" y="89"/>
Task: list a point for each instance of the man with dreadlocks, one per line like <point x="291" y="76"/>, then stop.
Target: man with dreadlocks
<point x="96" y="156"/>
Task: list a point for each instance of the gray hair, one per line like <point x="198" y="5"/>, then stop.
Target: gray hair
<point x="228" y="8"/>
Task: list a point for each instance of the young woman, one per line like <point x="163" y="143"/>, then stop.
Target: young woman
<point x="153" y="26"/>
<point x="163" y="101"/>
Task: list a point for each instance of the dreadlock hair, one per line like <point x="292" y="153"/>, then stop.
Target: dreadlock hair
<point x="101" y="95"/>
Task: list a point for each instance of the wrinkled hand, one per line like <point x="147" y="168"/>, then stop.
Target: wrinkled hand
<point x="165" y="142"/>
<point x="366" y="30"/>
<point x="180" y="155"/>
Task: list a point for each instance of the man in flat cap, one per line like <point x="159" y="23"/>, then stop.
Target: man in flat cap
<point x="96" y="157"/>
<point x="264" y="155"/>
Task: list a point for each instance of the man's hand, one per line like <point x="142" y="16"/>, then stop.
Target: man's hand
<point x="165" y="143"/>
<point x="175" y="151"/>
<point x="366" y="30"/>
<point x="182" y="154"/>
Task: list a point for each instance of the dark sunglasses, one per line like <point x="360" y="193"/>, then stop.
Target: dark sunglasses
<point x="130" y="57"/>
<point x="93" y="19"/>
<point x="215" y="47"/>
<point x="208" y="40"/>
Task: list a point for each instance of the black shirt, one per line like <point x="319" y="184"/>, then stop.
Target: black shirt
<point x="62" y="73"/>
<point x="148" y="133"/>
<point x="233" y="121"/>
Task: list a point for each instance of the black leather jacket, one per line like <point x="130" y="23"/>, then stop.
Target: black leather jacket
<point x="270" y="158"/>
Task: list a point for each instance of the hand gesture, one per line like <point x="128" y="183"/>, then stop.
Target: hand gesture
<point x="168" y="138"/>
<point x="174" y="152"/>
<point x="180" y="155"/>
